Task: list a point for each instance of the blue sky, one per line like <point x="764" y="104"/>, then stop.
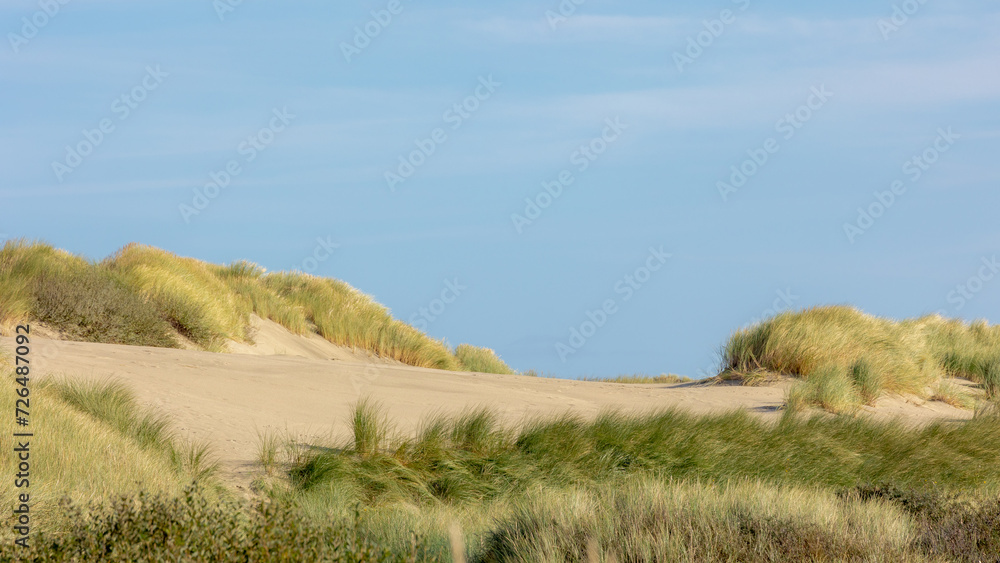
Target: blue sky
<point x="314" y="106"/>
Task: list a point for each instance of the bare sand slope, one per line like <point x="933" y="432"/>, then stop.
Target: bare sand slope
<point x="223" y="399"/>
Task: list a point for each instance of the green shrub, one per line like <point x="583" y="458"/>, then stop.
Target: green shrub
<point x="959" y="529"/>
<point x="194" y="527"/>
<point x="90" y="304"/>
<point x="648" y="521"/>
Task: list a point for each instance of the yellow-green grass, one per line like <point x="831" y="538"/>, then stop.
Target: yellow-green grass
<point x="345" y="316"/>
<point x="666" y="486"/>
<point x="482" y="360"/>
<point x="21" y="264"/>
<point x="189" y="294"/>
<point x="92" y="442"/>
<point x="651" y="520"/>
<point x="147" y="296"/>
<point x="856" y="357"/>
<point x="665" y="378"/>
<point x="472" y="458"/>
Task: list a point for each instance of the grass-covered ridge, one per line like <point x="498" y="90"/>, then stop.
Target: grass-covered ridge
<point x="666" y="486"/>
<point x="847" y="357"/>
<point x="142" y="295"/>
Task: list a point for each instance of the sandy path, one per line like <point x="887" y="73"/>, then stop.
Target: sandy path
<point x="223" y="399"/>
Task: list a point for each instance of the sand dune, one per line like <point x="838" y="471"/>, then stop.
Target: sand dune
<point x="306" y="385"/>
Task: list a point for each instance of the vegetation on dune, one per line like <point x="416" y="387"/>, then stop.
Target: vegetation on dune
<point x="193" y="527"/>
<point x="97" y="443"/>
<point x="665" y="486"/>
<point x="482" y="360"/>
<point x="665" y="378"/>
<point x="188" y="293"/>
<point x="146" y="296"/>
<point x="471" y="458"/>
<point x="652" y="520"/>
<point x="345" y="316"/>
<point x="847" y="357"/>
<point x="640" y="520"/>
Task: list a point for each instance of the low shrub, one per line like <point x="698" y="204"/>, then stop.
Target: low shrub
<point x="194" y="528"/>
<point x="92" y="305"/>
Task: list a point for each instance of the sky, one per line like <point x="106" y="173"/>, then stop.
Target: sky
<point x="590" y="188"/>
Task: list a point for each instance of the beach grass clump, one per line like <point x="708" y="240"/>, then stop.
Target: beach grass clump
<point x="990" y="371"/>
<point x="948" y="392"/>
<point x="345" y="316"/>
<point x="801" y="343"/>
<point x="868" y="382"/>
<point x="189" y="295"/>
<point x="830" y="388"/>
<point x="481" y="360"/>
<point x="246" y="280"/>
<point x="369" y="427"/>
<point x="473" y="458"/>
<point x="879" y="355"/>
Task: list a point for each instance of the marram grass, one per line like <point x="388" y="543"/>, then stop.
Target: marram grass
<point x="472" y="458"/>
<point x="843" y="354"/>
<point x="142" y="295"/>
<point x="666" y="486"/>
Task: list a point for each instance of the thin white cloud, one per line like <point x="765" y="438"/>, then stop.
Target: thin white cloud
<point x="578" y="27"/>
